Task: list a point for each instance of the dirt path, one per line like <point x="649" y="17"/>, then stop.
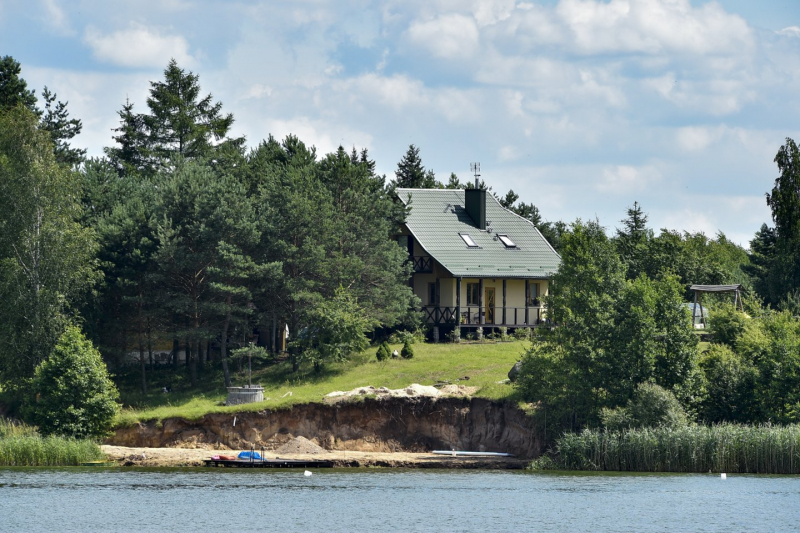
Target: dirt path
<point x="170" y="457"/>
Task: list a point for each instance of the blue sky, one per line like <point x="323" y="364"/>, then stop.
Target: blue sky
<point x="581" y="106"/>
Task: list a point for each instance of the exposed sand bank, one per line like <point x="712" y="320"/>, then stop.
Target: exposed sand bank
<point x="172" y="457"/>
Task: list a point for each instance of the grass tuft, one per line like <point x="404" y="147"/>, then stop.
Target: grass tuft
<point x="21" y="445"/>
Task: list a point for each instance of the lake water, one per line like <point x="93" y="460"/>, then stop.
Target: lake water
<point x="223" y="501"/>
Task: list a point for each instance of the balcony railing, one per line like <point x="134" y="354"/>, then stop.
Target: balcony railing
<point x="422" y="263"/>
<point x="475" y="316"/>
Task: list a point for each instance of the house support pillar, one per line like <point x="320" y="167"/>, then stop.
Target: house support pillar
<point x="504" y="303"/>
<point x="481" y="313"/>
<point x="435" y="333"/>
<point x="527" y="298"/>
<point x="457" y="329"/>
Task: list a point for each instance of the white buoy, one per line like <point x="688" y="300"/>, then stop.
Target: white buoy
<point x="723" y="476"/>
<point x="307" y="473"/>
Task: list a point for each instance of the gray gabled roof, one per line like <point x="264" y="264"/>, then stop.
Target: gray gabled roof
<point x="437" y="218"/>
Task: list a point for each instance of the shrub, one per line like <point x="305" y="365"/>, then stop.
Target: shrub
<point x="730" y="382"/>
<point x="73" y="394"/>
<point x="522" y="334"/>
<point x="543" y="462"/>
<point x="727" y="324"/>
<point x="383" y="352"/>
<point x="401" y="337"/>
<point x="651" y="407"/>
<point x="455" y="335"/>
<point x="408" y="351"/>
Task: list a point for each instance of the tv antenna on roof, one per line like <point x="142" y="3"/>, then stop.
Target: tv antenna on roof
<point x="475" y="168"/>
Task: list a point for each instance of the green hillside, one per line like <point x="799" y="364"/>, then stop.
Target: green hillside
<point x="484" y="365"/>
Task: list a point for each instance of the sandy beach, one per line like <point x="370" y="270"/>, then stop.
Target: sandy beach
<point x="193" y="457"/>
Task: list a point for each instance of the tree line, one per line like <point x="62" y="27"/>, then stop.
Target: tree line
<point x="625" y="355"/>
<point x="181" y="234"/>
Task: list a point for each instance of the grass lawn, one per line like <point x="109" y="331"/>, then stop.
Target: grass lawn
<point x="484" y="364"/>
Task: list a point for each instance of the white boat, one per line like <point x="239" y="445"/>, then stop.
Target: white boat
<point x="458" y="453"/>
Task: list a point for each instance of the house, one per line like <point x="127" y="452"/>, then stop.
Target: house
<point x="476" y="264"/>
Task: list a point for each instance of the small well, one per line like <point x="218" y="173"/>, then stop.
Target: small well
<point x="246" y="394"/>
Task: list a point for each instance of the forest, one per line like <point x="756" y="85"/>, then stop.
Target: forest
<point x="182" y="235"/>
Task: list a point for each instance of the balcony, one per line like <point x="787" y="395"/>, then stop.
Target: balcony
<point x="473" y="316"/>
<point x="422" y="264"/>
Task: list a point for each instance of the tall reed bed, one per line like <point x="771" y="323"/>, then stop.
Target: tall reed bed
<point x="20" y="445"/>
<point x="721" y="448"/>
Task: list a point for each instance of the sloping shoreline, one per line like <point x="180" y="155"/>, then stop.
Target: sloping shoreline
<point x="370" y="432"/>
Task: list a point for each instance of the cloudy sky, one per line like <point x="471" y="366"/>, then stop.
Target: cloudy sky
<point x="581" y="106"/>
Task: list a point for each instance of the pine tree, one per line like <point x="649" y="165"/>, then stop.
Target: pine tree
<point x="56" y="121"/>
<point x="133" y="153"/>
<point x="180" y="122"/>
<point x="408" y="351"/>
<point x="411" y="174"/>
<point x="13" y="89"/>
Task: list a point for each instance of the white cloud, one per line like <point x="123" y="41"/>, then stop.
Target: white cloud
<point x="717" y="96"/>
<point x="138" y="46"/>
<point x="55" y="17"/>
<point x="448" y="36"/>
<point x="626" y="179"/>
<point x="384" y="60"/>
<point x="397" y="92"/>
<point x="324" y="136"/>
<point x="692" y="220"/>
<point x="487" y="12"/>
<point x="654" y="26"/>
<point x="697" y="139"/>
<point x="508" y="153"/>
<point x="791" y="31"/>
<point x="258" y="91"/>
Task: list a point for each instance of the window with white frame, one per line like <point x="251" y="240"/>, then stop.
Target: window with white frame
<point x="468" y="240"/>
<point x="506" y="240"/>
<point x="473" y="293"/>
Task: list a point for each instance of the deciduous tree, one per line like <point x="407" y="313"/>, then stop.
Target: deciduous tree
<point x="47" y="256"/>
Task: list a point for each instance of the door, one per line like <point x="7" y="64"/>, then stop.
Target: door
<point x="489" y="293"/>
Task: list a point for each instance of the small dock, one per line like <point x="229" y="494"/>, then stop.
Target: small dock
<point x="269" y="463"/>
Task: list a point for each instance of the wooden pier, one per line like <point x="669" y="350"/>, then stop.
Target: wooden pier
<point x="269" y="463"/>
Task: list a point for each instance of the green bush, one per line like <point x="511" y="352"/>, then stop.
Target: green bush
<point x="651" y="407"/>
<point x="730" y="382"/>
<point x="383" y="352"/>
<point x="402" y="336"/>
<point x="522" y="334"/>
<point x="408" y="351"/>
<point x="727" y="323"/>
<point x="72" y="392"/>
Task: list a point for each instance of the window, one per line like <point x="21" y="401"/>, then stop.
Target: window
<point x="432" y="294"/>
<point x="402" y="241"/>
<point x="533" y="293"/>
<point x="468" y="240"/>
<point x="473" y="293"/>
<point x="506" y="241"/>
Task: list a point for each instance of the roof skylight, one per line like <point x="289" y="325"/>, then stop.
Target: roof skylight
<point x="506" y="241"/>
<point x="468" y="240"/>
